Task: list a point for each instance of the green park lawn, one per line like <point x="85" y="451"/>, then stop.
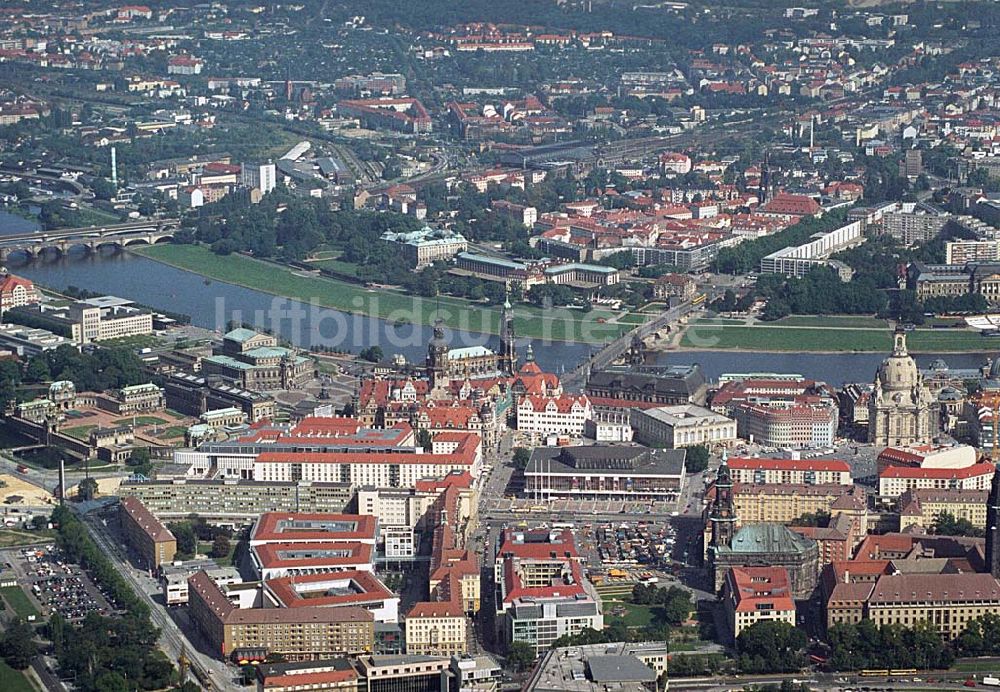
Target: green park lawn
<point x="766" y="338"/>
<point x="172" y="432"/>
<point x="336" y="265"/>
<point x="13" y="537"/>
<point x="18" y="601"/>
<point x="140" y="420"/>
<point x="855" y="321"/>
<point x="635" y="615"/>
<point x="205" y="548"/>
<point x="80" y="432"/>
<point x="134" y="341"/>
<point x="392" y="305"/>
<point x="12" y="680"/>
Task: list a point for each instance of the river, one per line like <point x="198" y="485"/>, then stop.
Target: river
<point x="213" y="304"/>
<point x="12" y="223"/>
<point x="833" y="368"/>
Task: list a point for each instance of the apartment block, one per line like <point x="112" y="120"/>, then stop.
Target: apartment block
<point x="757" y="594"/>
<point x="145" y="534"/>
<point x="296" y="634"/>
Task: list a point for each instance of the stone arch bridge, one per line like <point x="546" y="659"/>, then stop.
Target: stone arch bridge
<point x="91" y="238"/>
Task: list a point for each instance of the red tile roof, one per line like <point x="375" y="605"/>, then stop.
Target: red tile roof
<point x="751" y="586"/>
<point x="145" y="520"/>
<point x="272" y="527"/>
<point x="981" y="469"/>
<point x="269" y="555"/>
<point x="295" y="592"/>
<point x="742" y="463"/>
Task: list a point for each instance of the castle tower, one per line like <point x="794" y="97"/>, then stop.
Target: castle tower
<point x="437" y="357"/>
<point x="993" y="526"/>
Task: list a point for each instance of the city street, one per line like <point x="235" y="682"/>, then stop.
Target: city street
<point x="173" y="640"/>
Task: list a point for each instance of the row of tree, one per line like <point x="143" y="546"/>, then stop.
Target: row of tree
<point x="105" y="653"/>
<point x="865" y="645"/>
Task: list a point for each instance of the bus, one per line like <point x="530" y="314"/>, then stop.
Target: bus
<point x="563" y="525"/>
<point x="903" y="671"/>
<point x="874" y="673"/>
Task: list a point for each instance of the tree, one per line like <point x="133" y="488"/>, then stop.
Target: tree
<point x="521" y="457"/>
<point x="819" y="518"/>
<point x="372" y="354"/>
<point x="18" y="645"/>
<point x="139" y="461"/>
<point x="10" y="378"/>
<point x="87" y="490"/>
<point x="110" y="681"/>
<point x="521" y="655"/>
<point x="696" y="459"/>
<point x="37" y="371"/>
<point x="102" y="188"/>
<point x="946" y="524"/>
<point x="770" y="646"/>
<point x="220" y="546"/>
<point x="187" y="542"/>
<point x="424" y="438"/>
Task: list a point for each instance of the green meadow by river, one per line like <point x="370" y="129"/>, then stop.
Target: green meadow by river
<point x="557" y="324"/>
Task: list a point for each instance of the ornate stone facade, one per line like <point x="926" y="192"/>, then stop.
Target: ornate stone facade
<point x="901" y="409"/>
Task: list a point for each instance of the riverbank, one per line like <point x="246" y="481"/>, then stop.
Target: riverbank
<point x="779" y="338"/>
<point x="557" y="324"/>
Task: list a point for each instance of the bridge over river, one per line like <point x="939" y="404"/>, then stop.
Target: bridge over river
<point x="614" y="350"/>
<point x="90" y="237"/>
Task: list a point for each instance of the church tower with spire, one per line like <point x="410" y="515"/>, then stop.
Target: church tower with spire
<point x="993" y="526"/>
<point x="764" y="189"/>
<point x="508" y="341"/>
<point x="723" y="516"/>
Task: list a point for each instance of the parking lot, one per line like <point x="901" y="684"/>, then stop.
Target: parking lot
<point x="57" y="585"/>
<point x="582" y="507"/>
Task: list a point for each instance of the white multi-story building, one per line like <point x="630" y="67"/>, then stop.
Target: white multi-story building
<point x="557" y="415"/>
<point x="756" y="594"/>
<point x="397" y="463"/>
<point x="789" y="425"/>
<point x="790" y="471"/>
<point x="94" y="319"/>
<point x="543" y="592"/>
<point x="681" y="426"/>
<point x="16" y="291"/>
<point x="896" y="480"/>
<point x="799" y="260"/>
<point x="675" y="162"/>
<point x="262" y="176"/>
<point x="914" y="222"/>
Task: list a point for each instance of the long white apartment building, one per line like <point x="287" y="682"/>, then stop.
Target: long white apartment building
<point x="800" y="259"/>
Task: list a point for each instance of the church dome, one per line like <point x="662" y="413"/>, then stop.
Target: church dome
<point x="899" y="370"/>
